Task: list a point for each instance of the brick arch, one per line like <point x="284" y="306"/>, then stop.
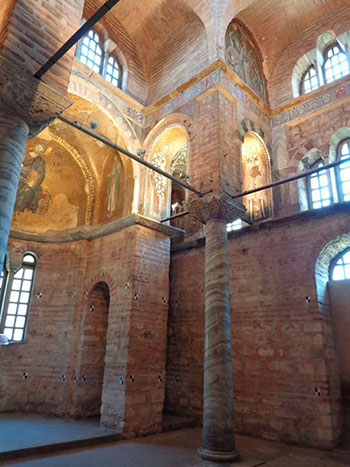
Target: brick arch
<point x="322" y="267"/>
<point x="104" y="277"/>
<point x="179" y="119"/>
<point x="246" y="125"/>
<point x="336" y="139"/>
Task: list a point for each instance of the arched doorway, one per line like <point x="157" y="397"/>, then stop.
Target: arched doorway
<point x="92" y="354"/>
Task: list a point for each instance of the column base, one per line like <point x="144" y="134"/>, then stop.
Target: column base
<point x="218" y="456"/>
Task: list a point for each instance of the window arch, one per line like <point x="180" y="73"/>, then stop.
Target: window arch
<point x="90" y="51"/>
<point x="113" y="71"/>
<point x="319" y="187"/>
<point x="16" y="293"/>
<point x="343" y="170"/>
<point x="340" y="266"/>
<point x="336" y="64"/>
<point x="309" y="81"/>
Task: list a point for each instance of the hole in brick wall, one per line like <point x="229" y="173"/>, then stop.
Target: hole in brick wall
<point x="63" y="378"/>
<point x="84" y="378"/>
<point x="76" y="379"/>
<point x="121" y="380"/>
<point x="136" y="296"/>
<point x="39" y="295"/>
<point x="127" y="286"/>
<point x="132" y="378"/>
<point x="74" y="294"/>
<point x="86" y="294"/>
<point x="92" y="308"/>
<point x="25" y="375"/>
<point x="308" y="299"/>
<point x="163" y="300"/>
<point x="160" y="378"/>
<point x="318" y="391"/>
<point x="178" y="302"/>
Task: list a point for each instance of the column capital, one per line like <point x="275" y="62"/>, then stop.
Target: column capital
<point x="25" y="97"/>
<point x="215" y="206"/>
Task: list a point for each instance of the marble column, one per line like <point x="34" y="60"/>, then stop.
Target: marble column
<point x="13" y="140"/>
<point x="218" y="435"/>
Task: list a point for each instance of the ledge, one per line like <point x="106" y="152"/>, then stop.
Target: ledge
<point x="271" y="223"/>
<point x="98" y="231"/>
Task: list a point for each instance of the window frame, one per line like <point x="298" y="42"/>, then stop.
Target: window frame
<point x="6" y="292"/>
<point x="326" y="58"/>
<point x="105" y="72"/>
<point x="310" y="190"/>
<point x="338" y="170"/>
<point x="78" y="51"/>
<point x="334" y="264"/>
<point x="302" y="81"/>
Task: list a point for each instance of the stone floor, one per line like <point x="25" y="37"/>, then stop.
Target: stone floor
<point x="171" y="449"/>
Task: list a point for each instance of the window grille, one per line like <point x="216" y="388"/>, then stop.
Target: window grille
<point x="310" y="81"/>
<point x="341" y="267"/>
<point x="90" y="52"/>
<point x="344" y="170"/>
<point x="113" y="72"/>
<point x="320" y="192"/>
<point x="16" y="298"/>
<point x="336" y="64"/>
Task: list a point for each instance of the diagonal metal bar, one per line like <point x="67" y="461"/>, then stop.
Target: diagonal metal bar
<point x="290" y="179"/>
<point x="138" y="159"/>
<point x="76" y="36"/>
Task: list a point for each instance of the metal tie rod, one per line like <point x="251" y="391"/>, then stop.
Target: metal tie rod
<point x="106" y="141"/>
<point x="76" y="36"/>
<point x="290" y="179"/>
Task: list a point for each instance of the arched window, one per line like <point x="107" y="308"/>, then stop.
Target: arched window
<point x="15" y="299"/>
<point x="113" y="71"/>
<point x="343" y="170"/>
<point x="340" y="267"/>
<point x="89" y="51"/>
<point x="319" y="188"/>
<point x="309" y="81"/>
<point x="336" y="64"/>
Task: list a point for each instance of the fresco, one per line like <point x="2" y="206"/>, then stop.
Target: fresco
<point x="256" y="172"/>
<point x="113" y="187"/>
<point x="51" y="192"/>
<point x="243" y="58"/>
<point x="167" y="147"/>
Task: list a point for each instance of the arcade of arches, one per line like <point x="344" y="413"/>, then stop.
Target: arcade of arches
<point x="128" y="318"/>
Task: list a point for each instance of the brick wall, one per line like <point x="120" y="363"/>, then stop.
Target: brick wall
<point x="36" y="30"/>
<point x="179" y="60"/>
<point x="282" y="346"/>
<point x="67" y="338"/>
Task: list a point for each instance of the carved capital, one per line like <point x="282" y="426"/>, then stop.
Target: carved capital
<point x="23" y="96"/>
<point x="215" y="206"/>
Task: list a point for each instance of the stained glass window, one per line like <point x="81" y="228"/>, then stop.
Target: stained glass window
<point x="113" y="71"/>
<point x="341" y="267"/>
<point x="320" y="190"/>
<point x="89" y="52"/>
<point x="336" y="64"/>
<point x="310" y="81"/>
<point x="16" y="300"/>
<point x="344" y="170"/>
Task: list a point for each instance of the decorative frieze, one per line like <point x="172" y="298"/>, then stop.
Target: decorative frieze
<point x="215" y="206"/>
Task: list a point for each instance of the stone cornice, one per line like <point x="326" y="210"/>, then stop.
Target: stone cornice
<point x="32" y="100"/>
<point x="97" y="231"/>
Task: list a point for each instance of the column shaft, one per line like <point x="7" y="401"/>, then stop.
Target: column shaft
<point x="13" y="140"/>
<point x="218" y="417"/>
